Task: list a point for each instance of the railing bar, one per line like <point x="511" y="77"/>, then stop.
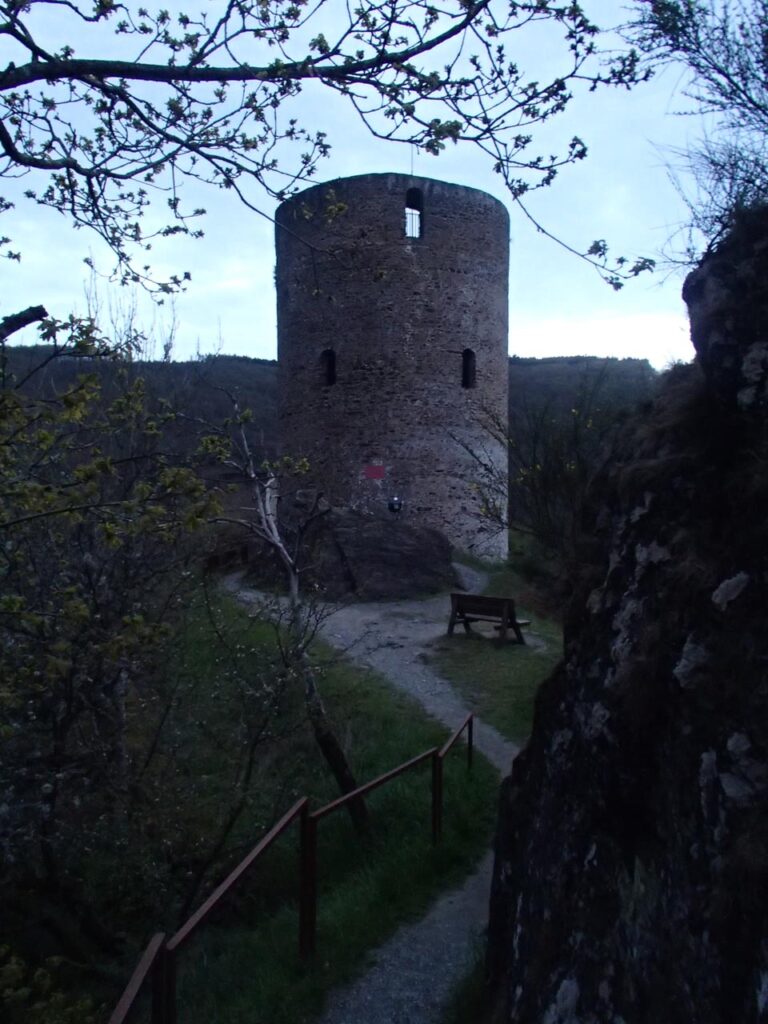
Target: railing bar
<point x="143" y="968"/>
<point x="449" y="743"/>
<point x="186" y="929"/>
<point x="157" y="946"/>
<point x="437" y="771"/>
<point x="308" y="887"/>
<point x="335" y="804"/>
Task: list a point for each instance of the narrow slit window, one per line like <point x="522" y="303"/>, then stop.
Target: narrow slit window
<point x="414" y="211"/>
<point x="328" y="367"/>
<point x="468" y="369"/>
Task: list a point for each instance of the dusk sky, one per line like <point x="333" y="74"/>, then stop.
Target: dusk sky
<point x="558" y="305"/>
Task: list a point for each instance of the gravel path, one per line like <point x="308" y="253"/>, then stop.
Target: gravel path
<point x="394" y="637"/>
<point x="413" y="974"/>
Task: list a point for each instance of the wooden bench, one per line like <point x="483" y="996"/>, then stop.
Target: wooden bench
<point x="469" y="608"/>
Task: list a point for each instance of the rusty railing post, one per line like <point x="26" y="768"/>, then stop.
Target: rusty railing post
<point x="308" y="888"/>
<point x="158" y="988"/>
<point x="470" y="741"/>
<point x="437" y="797"/>
<point x="164" y="988"/>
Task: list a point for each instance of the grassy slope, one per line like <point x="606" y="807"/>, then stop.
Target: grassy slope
<point x="499" y="682"/>
<point x="243" y="966"/>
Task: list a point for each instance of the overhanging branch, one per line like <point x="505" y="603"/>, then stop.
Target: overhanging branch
<point x="16" y="321"/>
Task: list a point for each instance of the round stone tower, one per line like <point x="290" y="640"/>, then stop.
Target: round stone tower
<point x="392" y="347"/>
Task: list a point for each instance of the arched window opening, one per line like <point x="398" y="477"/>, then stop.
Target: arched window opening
<point x="468" y="369"/>
<point x="328" y="366"/>
<point x="414" y="210"/>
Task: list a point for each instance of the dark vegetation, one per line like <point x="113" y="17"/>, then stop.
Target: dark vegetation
<point x="152" y="731"/>
<point x="202" y="387"/>
<point x="137" y="102"/>
<point x="720" y="47"/>
<point x="366" y="888"/>
<point x="499" y="682"/>
<point x="565" y="416"/>
<point x="559" y="383"/>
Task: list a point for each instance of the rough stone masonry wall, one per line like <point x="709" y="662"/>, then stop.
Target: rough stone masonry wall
<point x="397" y="313"/>
<point x="631" y="876"/>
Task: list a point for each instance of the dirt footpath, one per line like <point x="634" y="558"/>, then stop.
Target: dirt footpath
<point x="414" y="973"/>
<point x="394" y="638"/>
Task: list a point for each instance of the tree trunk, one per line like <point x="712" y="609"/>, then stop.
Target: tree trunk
<point x="332" y="750"/>
<point x="267" y="496"/>
<point x="16" y="321"/>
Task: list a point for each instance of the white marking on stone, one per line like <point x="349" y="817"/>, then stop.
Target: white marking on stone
<point x="562" y="1011"/>
<point x="693" y="658"/>
<point x="594" y="723"/>
<point x="736" y="788"/>
<point x="762" y="993"/>
<point x="651" y="554"/>
<point x="729" y="590"/>
<point x="738" y="744"/>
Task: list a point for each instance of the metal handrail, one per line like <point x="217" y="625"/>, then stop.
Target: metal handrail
<point x="137" y="979"/>
<point x="166" y="964"/>
<point x="234" y="876"/>
<point x="467" y="724"/>
<point x="437" y="773"/>
<point x="308" y="900"/>
<point x="159" y="958"/>
<point x="334" y="805"/>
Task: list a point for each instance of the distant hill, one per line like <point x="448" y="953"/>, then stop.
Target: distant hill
<point x="561" y="382"/>
<point x="201" y="388"/>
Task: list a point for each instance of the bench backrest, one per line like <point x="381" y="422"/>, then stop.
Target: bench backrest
<point x="482" y="604"/>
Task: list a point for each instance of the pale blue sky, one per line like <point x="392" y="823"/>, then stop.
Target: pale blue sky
<point x="558" y="305"/>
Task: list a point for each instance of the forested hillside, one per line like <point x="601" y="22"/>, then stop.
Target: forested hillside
<point x="203" y="387"/>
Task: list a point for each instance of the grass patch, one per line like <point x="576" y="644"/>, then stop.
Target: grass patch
<point x="243" y="965"/>
<point x="470" y="1001"/>
<point x="499" y="682"/>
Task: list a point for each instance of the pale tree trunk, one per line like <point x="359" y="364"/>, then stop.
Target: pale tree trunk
<point x="121" y="750"/>
<point x="325" y="736"/>
<point x="331" y="749"/>
<point x="266" y="495"/>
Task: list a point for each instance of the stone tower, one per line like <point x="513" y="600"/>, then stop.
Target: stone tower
<point x="392" y="345"/>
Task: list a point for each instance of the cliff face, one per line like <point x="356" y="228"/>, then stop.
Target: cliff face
<point x="631" y="878"/>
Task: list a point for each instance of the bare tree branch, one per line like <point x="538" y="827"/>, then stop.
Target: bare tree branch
<point x="213" y="100"/>
<point x="17" y="321"/>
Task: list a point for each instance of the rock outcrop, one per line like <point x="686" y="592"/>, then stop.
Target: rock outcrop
<point x="345" y="553"/>
<point x="378" y="558"/>
<point x="727" y="298"/>
<point x="631" y="877"/>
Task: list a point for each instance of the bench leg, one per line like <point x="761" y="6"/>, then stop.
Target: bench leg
<point x="503" y="627"/>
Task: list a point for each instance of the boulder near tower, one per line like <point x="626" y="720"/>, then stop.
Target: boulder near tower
<point x="392" y="345"/>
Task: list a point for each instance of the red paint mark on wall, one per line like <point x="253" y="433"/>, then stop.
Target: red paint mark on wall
<point x="374" y="472"/>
